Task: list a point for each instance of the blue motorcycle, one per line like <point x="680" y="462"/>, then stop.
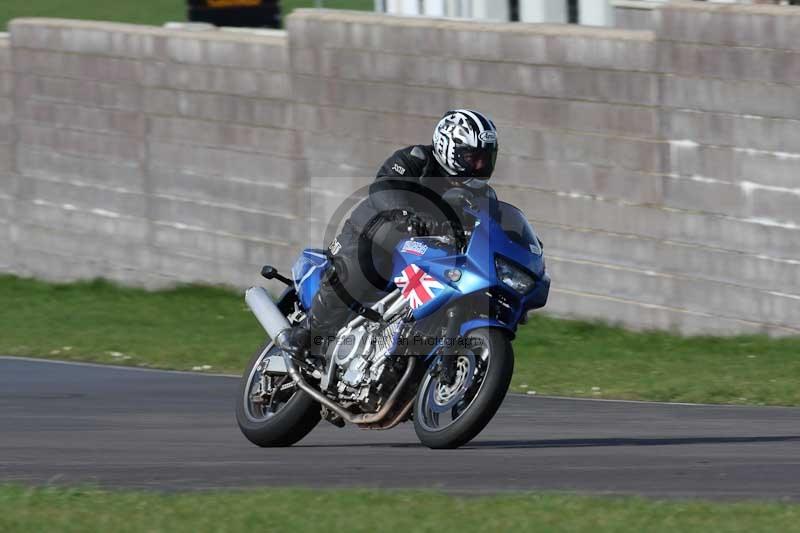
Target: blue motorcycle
<point x="435" y="349"/>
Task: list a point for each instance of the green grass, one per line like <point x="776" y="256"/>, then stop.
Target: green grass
<point x="570" y="358"/>
<point x="95" y="321"/>
<point x="86" y="510"/>
<point x="197" y="327"/>
<point x="153" y="12"/>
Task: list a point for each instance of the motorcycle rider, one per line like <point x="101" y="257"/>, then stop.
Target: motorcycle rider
<point x="404" y="200"/>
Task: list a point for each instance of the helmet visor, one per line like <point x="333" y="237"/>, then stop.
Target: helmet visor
<point x="479" y="162"/>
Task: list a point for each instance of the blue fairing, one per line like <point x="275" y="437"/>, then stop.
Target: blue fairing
<point x="489" y="238"/>
<point x="500" y="231"/>
<point x="307" y="275"/>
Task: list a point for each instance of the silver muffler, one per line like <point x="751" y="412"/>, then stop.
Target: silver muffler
<point x="267" y="313"/>
<point x="276" y="325"/>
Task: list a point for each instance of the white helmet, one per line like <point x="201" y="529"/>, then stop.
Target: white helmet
<point x="465" y="146"/>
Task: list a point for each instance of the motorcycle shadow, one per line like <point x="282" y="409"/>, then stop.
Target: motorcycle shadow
<point x="576" y="443"/>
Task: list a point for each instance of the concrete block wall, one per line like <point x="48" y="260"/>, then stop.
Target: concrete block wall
<point x="151" y="156"/>
<point x="8" y="181"/>
<point x="659" y="166"/>
<point x="730" y="113"/>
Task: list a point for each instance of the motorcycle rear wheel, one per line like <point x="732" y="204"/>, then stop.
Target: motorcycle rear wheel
<point x="279" y="421"/>
<point x="449" y="416"/>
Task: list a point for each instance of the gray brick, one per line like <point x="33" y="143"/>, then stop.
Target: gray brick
<point x="27" y="34"/>
<point x="224" y="80"/>
<point x="5" y="56"/>
<point x="79" y="91"/>
<point x="200" y="243"/>
<point x="72" y="244"/>
<point x="503" y="77"/>
<point x="246" y="52"/>
<point x="224" y="218"/>
<point x="773" y="135"/>
<point x="96" y="222"/>
<point x="46" y="163"/>
<point x="7" y="134"/>
<point x="83" y="67"/>
<point x="7" y="160"/>
<point x="130" y="44"/>
<point x="8" y="184"/>
<point x="774" y="169"/>
<point x="600" y="150"/>
<point x="608" y="53"/>
<point x="753" y="26"/>
<point x="247" y="55"/>
<point x="111" y="147"/>
<point x="775" y="205"/>
<point x="633" y="19"/>
<point x="225" y="163"/>
<point x="352" y="151"/>
<point x="219" y="107"/>
<point x="192" y="268"/>
<point x="186" y="50"/>
<point x="729" y="62"/>
<point x="592" y="117"/>
<point x="700" y="195"/>
<point x="576" y="304"/>
<point x="589" y="50"/>
<point x="223" y="135"/>
<point x="545" y="112"/>
<point x="6" y="110"/>
<point x="672" y="258"/>
<point x="722" y="299"/>
<point x="267" y="194"/>
<point x="734" y="165"/>
<point x="81" y="117"/>
<point x="6" y="83"/>
<point x="579" y="178"/>
<point x="259" y="253"/>
<point x="83" y="196"/>
<point x="336" y="121"/>
<point x="746" y="98"/>
<point x="750" y="236"/>
<point x="7" y="205"/>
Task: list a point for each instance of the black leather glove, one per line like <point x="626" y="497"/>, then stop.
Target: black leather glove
<point x="420" y="224"/>
<point x="423" y="224"/>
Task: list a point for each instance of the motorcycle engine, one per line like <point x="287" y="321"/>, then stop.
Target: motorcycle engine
<point x="362" y="364"/>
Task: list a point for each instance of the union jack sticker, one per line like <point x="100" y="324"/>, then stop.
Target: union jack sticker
<point x="417" y="286"/>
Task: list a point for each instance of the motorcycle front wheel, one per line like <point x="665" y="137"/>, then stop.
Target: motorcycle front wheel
<point x="270" y="409"/>
<point x="448" y="415"/>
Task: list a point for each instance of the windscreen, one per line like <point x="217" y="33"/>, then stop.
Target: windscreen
<point x="516" y="226"/>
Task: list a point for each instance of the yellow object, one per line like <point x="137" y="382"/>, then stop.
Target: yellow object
<point x="233" y="3"/>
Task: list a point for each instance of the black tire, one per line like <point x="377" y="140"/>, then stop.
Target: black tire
<point x="293" y="421"/>
<point x="483" y="404"/>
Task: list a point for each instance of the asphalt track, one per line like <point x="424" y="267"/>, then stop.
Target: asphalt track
<point x="116" y="427"/>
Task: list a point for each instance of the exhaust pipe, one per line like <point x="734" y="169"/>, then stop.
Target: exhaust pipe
<point x="267" y="313"/>
<point x="277" y="326"/>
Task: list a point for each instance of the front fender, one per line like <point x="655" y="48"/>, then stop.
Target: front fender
<point x="476" y="323"/>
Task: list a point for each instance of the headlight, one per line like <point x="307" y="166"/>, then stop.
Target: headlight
<point x="513" y="275"/>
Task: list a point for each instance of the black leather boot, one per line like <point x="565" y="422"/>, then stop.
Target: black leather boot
<point x="308" y="340"/>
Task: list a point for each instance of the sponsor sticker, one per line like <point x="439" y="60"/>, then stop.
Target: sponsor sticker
<point x="400" y="170"/>
<point x="415" y="248"/>
<point x="488" y="136"/>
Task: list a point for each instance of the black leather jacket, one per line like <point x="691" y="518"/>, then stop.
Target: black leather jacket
<point x="411" y="179"/>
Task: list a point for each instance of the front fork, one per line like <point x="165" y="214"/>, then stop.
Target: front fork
<point x="447" y="368"/>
